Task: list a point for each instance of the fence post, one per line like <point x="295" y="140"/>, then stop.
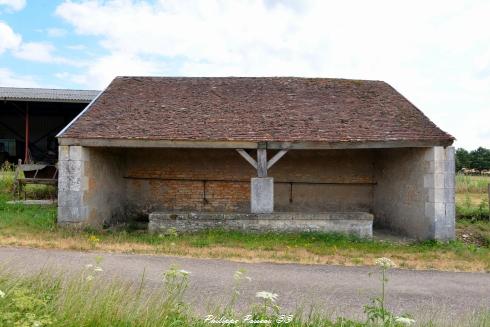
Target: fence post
<point x="489" y="196"/>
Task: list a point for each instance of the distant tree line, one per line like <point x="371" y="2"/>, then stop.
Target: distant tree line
<point x="476" y="159"/>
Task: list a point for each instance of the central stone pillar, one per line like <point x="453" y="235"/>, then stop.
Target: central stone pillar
<point x="262" y="195"/>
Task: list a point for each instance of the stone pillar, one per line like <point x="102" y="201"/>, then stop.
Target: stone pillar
<point x="72" y="184"/>
<point x="439" y="184"/>
<point x="262" y="195"/>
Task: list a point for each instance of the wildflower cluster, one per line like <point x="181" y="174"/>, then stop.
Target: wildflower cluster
<point x="267" y="296"/>
<point x="93" y="240"/>
<point x="385" y="263"/>
<point x="404" y="321"/>
<point x="377" y="313"/>
<point x="93" y="270"/>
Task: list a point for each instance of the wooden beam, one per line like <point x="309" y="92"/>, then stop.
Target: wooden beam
<point x="247" y="157"/>
<point x="144" y="143"/>
<point x="276" y="158"/>
<point x="306" y="145"/>
<point x="262" y="162"/>
<point x="273" y="145"/>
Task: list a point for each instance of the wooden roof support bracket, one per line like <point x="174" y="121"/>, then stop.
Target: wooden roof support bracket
<point x="276" y="158"/>
<point x="247" y="157"/>
<point x="261" y="164"/>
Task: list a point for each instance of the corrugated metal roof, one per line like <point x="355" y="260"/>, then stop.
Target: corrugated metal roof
<point x="47" y="95"/>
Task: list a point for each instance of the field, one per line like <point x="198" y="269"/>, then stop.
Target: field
<point x="35" y="226"/>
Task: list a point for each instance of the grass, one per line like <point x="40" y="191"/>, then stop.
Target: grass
<point x="89" y="298"/>
<point x="35" y="226"/>
<point x="472" y="210"/>
<point x="472" y="184"/>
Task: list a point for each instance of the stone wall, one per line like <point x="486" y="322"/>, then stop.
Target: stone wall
<point x="91" y="186"/>
<point x="354" y="223"/>
<point x="409" y="190"/>
<point x="414" y="194"/>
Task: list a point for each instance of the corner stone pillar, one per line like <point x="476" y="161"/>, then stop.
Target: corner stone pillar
<point x="439" y="183"/>
<point x="262" y="195"/>
<point x="72" y="184"/>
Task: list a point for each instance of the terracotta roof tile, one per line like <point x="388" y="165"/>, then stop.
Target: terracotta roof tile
<point x="283" y="109"/>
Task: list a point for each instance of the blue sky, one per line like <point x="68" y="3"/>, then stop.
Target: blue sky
<point x="436" y="53"/>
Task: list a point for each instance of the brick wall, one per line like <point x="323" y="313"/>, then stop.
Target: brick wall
<point x="219" y="180"/>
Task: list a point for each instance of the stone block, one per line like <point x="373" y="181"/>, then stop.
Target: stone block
<point x="450" y="180"/>
<point x="72" y="214"/>
<point x="451" y="212"/>
<point x="63" y="152"/>
<point x="435" y="210"/>
<point x="439" y="153"/>
<point x="70" y="199"/>
<point x="70" y="175"/>
<point x="262" y="195"/>
<point x="444" y="195"/>
<point x="78" y="153"/>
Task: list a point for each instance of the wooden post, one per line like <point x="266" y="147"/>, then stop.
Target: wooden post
<point x="16" y="179"/>
<point x="262" y="162"/>
<point x="489" y="196"/>
<point x="26" y="138"/>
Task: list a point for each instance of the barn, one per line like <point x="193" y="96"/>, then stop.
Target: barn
<point x="279" y="154"/>
<point x="30" y="118"/>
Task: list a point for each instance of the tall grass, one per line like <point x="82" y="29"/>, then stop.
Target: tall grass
<point x="470" y="188"/>
<point x="32" y="191"/>
<point x="6" y="177"/>
<point x="91" y="299"/>
<point x="472" y="184"/>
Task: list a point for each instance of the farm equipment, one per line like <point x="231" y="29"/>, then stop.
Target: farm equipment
<point x="25" y="174"/>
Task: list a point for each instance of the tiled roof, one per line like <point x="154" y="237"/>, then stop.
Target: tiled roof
<point x="47" y="95"/>
<point x="282" y="109"/>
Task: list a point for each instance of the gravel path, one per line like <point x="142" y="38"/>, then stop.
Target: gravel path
<point x="343" y="290"/>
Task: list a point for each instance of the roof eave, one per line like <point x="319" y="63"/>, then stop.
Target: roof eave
<point x="45" y="100"/>
<point x="237" y="144"/>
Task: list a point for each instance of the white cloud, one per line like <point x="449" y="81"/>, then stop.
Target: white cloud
<point x="8" y="78"/>
<point x="42" y="52"/>
<point x="8" y="38"/>
<point x="35" y="51"/>
<point x="103" y="69"/>
<point x="77" y="47"/>
<point x="436" y="53"/>
<point x="55" y="32"/>
<point x="14" y="5"/>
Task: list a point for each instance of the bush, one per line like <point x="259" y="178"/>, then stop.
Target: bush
<point x="474" y="213"/>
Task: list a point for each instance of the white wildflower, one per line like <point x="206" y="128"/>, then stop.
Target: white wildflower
<point x="89" y="278"/>
<point x="267" y="295"/>
<point x="184" y="272"/>
<point x="98" y="269"/>
<point x="238" y="275"/>
<point x="89" y="265"/>
<point x="385" y="263"/>
<point x="36" y="324"/>
<point x="248" y="278"/>
<point x="2" y="294"/>
<point x="404" y="321"/>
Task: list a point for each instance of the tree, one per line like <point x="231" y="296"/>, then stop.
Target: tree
<point x="462" y="159"/>
<point x="476" y="159"/>
<point x="480" y="158"/>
